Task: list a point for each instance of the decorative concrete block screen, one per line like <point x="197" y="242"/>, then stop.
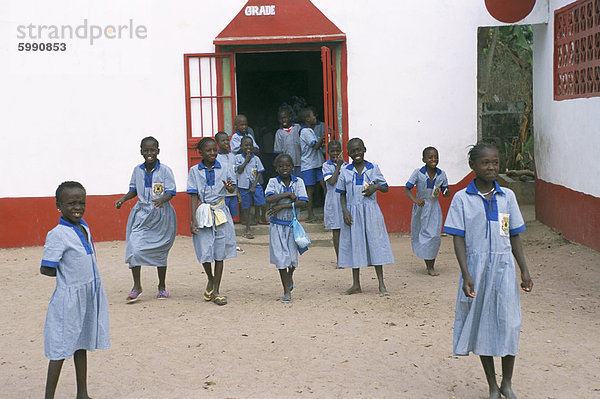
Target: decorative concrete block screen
<point x="577" y="50"/>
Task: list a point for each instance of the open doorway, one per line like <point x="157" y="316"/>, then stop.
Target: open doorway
<point x="265" y="80"/>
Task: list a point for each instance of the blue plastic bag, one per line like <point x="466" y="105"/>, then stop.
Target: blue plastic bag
<point x="300" y="236"/>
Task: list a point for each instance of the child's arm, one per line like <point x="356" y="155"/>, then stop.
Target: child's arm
<point x="319" y="143"/>
<point x="247" y="159"/>
<point x="299" y="204"/>
<point x="409" y="194"/>
<point x="332" y="181"/>
<point x="460" y="250"/>
<point x="193" y="206"/>
<point x="48" y="271"/>
<point x="367" y="192"/>
<point x="125" y="198"/>
<point x="446" y="192"/>
<point x="278" y="197"/>
<point x="517" y="250"/>
<point x="345" y="211"/>
<point x="159" y="202"/>
<point x="252" y="188"/>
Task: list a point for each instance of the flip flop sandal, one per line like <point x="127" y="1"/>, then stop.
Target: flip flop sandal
<point x="208" y="295"/>
<point x="248" y="235"/>
<point x="220" y="300"/>
<point x="286" y="299"/>
<point x="133" y="296"/>
<point x="163" y="294"/>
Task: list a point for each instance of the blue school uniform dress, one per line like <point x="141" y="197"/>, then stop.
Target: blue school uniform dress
<point x="287" y="141"/>
<point x="366" y="241"/>
<point x="236" y="140"/>
<point x="426" y="220"/>
<point x="77" y="315"/>
<point x="489" y="324"/>
<point x="150" y="231"/>
<point x="282" y="247"/>
<point x="332" y="209"/>
<point x="228" y="161"/>
<point x="311" y="159"/>
<point x="246" y="179"/>
<point x="215" y="242"/>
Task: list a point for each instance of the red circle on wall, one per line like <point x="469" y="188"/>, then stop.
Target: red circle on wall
<point x="509" y="11"/>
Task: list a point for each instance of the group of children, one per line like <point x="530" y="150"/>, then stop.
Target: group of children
<point x="483" y="218"/>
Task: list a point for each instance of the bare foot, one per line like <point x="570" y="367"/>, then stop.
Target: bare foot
<point x="383" y="290"/>
<point x="352" y="290"/>
<point x="431" y="271"/>
<point x="507" y="391"/>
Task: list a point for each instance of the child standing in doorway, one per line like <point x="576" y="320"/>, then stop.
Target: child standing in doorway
<point x="287" y="138"/>
<point x="242" y="130"/>
<point x="312" y="158"/>
<point x="284" y="191"/>
<point x="426" y="220"/>
<point x="332" y="210"/>
<point x="212" y="229"/>
<point x="363" y="237"/>
<point x="77" y="318"/>
<point x="485" y="221"/>
<point x="152" y="223"/>
<point x="249" y="169"/>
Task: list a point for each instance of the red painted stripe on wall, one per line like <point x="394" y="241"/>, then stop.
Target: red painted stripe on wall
<point x="575" y="214"/>
<point x="26" y="221"/>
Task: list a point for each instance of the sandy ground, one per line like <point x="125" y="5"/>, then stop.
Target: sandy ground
<point x="323" y="345"/>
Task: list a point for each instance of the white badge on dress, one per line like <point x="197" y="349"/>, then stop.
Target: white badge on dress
<point x="504" y="219"/>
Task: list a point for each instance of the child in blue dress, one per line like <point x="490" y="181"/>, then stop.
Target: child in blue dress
<point x="312" y="158"/>
<point x="283" y="191"/>
<point x="332" y="209"/>
<point x="486" y="222"/>
<point x="426" y="220"/>
<point x="212" y="229"/>
<point x="287" y="138"/>
<point x="77" y="318"/>
<point x="249" y="169"/>
<point x="152" y="223"/>
<point x="227" y="159"/>
<point x="363" y="237"/>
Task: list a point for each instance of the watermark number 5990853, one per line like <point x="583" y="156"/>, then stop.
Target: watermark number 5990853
<point x="42" y="46"/>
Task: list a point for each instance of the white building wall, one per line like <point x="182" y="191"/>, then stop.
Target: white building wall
<point x="567" y="132"/>
<point x="80" y="114"/>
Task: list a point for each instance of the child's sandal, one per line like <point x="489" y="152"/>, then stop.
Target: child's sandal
<point x="220" y="300"/>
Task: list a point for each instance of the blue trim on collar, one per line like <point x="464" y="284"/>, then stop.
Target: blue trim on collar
<point x="84" y="242"/>
<point x="202" y="166"/>
<point x="368" y="166"/>
<point x="472" y="189"/>
<point x="143" y="165"/>
<point x="292" y="176"/>
<point x="438" y="171"/>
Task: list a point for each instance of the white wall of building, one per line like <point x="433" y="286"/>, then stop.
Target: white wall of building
<point x="80" y="114"/>
<point x="567" y="132"/>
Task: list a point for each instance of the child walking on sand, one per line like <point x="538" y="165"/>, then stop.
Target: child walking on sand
<point x="77" y="318"/>
<point x="312" y="158"/>
<point x="363" y="237"/>
<point x="212" y="229"/>
<point x="332" y="209"/>
<point x="152" y="223"/>
<point x="249" y="169"/>
<point x="284" y="191"/>
<point x="426" y="220"/>
<point x="485" y="221"/>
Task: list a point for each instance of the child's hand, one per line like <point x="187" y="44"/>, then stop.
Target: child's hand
<point x="339" y="161"/>
<point x="194" y="227"/>
<point x="347" y="218"/>
<point x="252" y="190"/>
<point x="274" y="210"/>
<point x="119" y="203"/>
<point x="158" y="202"/>
<point x="420" y="202"/>
<point x="292" y="196"/>
<point x="248" y="156"/>
<point x="228" y="185"/>
<point x="239" y="198"/>
<point x="526" y="282"/>
<point x="369" y="190"/>
<point x="468" y="287"/>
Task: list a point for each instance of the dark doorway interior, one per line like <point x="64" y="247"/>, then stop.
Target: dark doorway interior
<point x="265" y="81"/>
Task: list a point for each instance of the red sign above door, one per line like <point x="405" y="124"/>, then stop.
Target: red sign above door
<point x="279" y="21"/>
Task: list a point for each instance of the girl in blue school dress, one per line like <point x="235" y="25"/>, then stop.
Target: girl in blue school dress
<point x="486" y="222"/>
<point x="283" y="191"/>
<point x="212" y="229"/>
<point x="152" y="223"/>
<point x="426" y="220"/>
<point x="363" y="237"/>
<point x="332" y="209"/>
<point x="77" y="318"/>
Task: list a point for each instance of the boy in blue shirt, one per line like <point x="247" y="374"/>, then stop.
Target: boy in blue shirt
<point x="249" y="169"/>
